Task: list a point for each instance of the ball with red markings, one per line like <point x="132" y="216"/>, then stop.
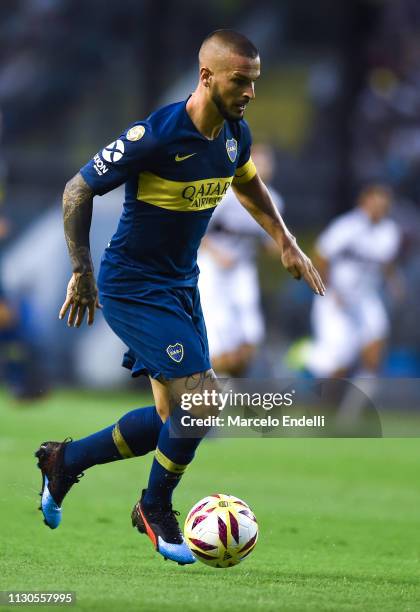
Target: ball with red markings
<point x="221" y="530"/>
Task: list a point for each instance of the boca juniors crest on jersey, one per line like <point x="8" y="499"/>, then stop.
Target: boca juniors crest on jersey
<point x="232" y="149"/>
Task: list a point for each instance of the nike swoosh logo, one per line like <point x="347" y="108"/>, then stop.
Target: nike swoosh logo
<point x="179" y="157"/>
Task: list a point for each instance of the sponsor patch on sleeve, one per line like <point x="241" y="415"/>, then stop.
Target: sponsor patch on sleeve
<point x="136" y="133"/>
<point x="114" y="151"/>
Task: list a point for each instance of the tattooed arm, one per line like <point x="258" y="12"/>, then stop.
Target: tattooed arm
<point x="82" y="293"/>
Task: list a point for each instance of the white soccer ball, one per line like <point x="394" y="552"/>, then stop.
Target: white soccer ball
<point x="221" y="530"/>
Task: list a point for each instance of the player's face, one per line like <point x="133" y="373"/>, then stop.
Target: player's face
<point x="232" y="87"/>
<point x="378" y="206"/>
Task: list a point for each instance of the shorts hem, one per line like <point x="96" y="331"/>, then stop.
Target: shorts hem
<point x="167" y="376"/>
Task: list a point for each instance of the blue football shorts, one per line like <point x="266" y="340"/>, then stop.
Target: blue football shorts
<point x="163" y="329"/>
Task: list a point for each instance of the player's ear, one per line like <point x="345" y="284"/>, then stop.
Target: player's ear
<point x="205" y="76"/>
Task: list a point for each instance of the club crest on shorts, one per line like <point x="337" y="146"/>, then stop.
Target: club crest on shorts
<point x="176" y="352"/>
<point x="231" y="148"/>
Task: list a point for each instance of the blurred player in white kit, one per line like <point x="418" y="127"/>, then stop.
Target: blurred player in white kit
<point x="354" y="254"/>
<point x="229" y="287"/>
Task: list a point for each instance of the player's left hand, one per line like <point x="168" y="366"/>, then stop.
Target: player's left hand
<point x="82" y="296"/>
<point x="300" y="266"/>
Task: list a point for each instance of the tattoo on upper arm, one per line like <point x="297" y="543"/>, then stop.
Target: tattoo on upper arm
<point x="77" y="216"/>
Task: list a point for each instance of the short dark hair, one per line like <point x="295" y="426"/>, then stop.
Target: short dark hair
<point x="381" y="189"/>
<point x="237" y="42"/>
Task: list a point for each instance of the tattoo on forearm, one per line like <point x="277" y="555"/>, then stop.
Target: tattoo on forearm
<point x="77" y="216"/>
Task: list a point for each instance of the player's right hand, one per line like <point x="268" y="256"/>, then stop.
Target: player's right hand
<point x="82" y="296"/>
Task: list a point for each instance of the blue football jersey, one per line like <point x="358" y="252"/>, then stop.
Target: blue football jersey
<point x="174" y="178"/>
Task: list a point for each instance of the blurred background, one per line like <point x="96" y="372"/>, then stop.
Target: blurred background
<point x="338" y="101"/>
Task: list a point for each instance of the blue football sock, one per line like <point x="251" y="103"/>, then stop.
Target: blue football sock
<point x="135" y="434"/>
<point x="174" y="453"/>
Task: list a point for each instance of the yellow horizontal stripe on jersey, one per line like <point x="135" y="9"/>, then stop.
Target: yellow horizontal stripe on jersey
<point x="245" y="173"/>
<point x="180" y="195"/>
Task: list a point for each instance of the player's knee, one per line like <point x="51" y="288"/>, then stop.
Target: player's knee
<point x="162" y="398"/>
<point x="198" y="393"/>
<point x="163" y="410"/>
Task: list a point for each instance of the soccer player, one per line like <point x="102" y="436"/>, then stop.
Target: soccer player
<point x="228" y="270"/>
<point x="177" y="166"/>
<point x="353" y="255"/>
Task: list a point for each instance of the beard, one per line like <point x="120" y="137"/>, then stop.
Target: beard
<point x="217" y="99"/>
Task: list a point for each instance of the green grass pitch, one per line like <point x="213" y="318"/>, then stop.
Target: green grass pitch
<point x="339" y="520"/>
